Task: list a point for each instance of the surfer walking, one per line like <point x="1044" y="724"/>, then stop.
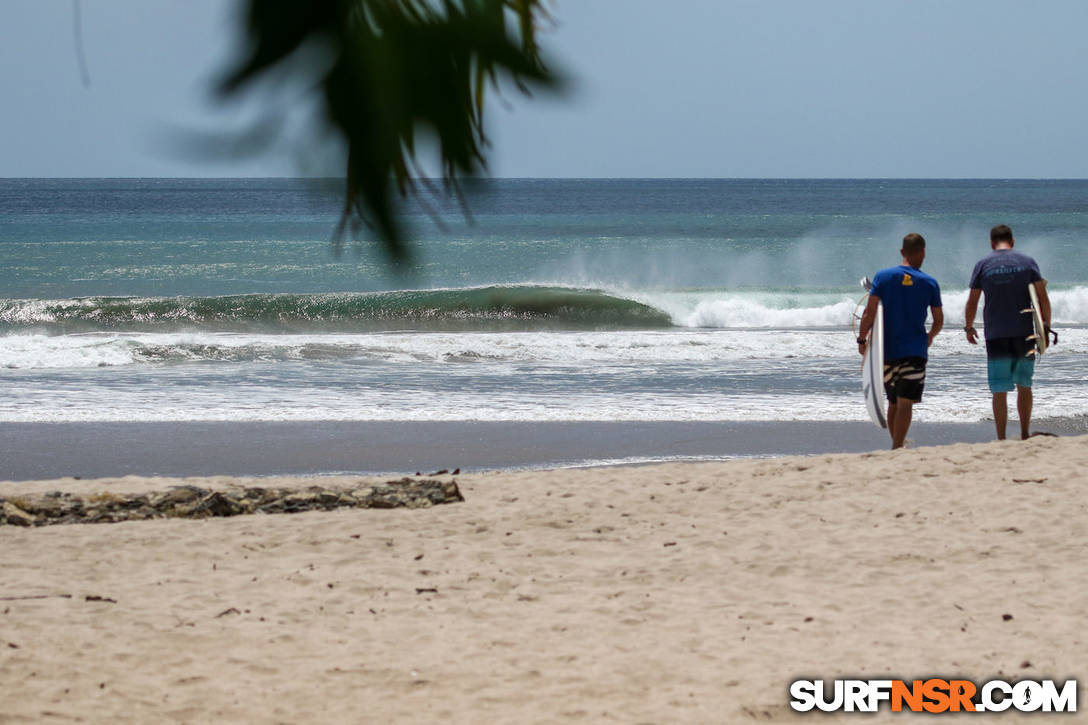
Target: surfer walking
<point x="908" y="295"/>
<point x="1004" y="276"/>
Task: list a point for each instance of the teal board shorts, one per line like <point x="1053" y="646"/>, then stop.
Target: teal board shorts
<point x="1008" y="364"/>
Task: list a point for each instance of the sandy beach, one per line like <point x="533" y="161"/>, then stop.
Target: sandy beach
<point x="692" y="592"/>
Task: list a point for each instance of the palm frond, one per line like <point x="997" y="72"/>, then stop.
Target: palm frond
<point x="397" y="67"/>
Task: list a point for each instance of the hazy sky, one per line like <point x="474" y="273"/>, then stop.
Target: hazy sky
<point x="710" y="88"/>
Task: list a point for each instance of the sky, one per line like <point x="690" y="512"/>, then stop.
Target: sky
<point x="685" y="88"/>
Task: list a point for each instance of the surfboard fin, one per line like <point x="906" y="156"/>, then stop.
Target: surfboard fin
<point x="867" y="284"/>
<point x="1027" y="311"/>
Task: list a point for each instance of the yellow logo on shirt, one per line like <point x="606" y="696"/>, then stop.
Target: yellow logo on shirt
<point x="907" y="281"/>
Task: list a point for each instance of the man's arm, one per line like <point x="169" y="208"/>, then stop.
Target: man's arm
<point x="969" y="313"/>
<point x="867" y="319"/>
<point x="938" y="323"/>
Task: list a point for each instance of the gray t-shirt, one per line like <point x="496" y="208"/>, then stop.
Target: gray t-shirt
<point x="1003" y="276"/>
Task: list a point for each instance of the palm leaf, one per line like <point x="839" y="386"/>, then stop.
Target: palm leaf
<point x="396" y="67"/>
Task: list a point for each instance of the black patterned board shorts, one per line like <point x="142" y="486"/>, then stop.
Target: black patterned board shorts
<point x="905" y="378"/>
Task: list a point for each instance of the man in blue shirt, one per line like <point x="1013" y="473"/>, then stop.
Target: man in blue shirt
<point x="1004" y="276"/>
<point x="908" y="295"/>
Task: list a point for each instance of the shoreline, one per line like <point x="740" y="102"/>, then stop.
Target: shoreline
<point x="37" y="451"/>
<point x="688" y="593"/>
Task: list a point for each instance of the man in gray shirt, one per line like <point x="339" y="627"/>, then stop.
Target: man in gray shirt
<point x="1004" y="276"/>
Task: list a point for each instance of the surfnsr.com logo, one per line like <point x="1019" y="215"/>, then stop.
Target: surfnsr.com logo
<point x="933" y="695"/>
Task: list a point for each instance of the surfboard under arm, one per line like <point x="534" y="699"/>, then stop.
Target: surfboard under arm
<point x="872" y="371"/>
<point x="1037" y="322"/>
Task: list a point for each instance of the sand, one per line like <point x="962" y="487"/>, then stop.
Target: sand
<point x="678" y="593"/>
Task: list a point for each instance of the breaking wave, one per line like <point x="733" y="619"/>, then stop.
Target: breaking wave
<point x="479" y="309"/>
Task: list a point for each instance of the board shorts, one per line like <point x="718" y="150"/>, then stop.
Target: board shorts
<point x="1008" y="364"/>
<point x="905" y="378"/>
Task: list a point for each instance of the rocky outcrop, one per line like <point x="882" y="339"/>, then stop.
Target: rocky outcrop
<point x="197" y="503"/>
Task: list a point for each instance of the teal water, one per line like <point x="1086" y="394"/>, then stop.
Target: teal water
<point x="76" y="238"/>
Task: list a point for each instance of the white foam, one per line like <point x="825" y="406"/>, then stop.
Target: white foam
<point x="22" y="351"/>
<point x="1070" y="306"/>
<point x="646" y="348"/>
<point x="254" y="403"/>
<point x="750" y="309"/>
<point x="25" y="351"/>
<point x="790" y="309"/>
<point x="748" y="313"/>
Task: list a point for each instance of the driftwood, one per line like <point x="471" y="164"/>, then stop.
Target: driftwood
<point x="197" y="503"/>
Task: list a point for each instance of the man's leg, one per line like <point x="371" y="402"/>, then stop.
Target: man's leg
<point x="1001" y="414"/>
<point x="893" y="407"/>
<point x="904" y="410"/>
<point x="1004" y="365"/>
<point x="1023" y="407"/>
<point x="907" y="377"/>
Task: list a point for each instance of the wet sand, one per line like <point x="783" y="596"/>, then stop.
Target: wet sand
<point x="91" y="450"/>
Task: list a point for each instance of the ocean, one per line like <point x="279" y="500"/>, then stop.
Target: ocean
<point x="167" y="300"/>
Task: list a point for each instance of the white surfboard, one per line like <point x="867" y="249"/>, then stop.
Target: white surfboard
<point x="1037" y="319"/>
<point x="872" y="371"/>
